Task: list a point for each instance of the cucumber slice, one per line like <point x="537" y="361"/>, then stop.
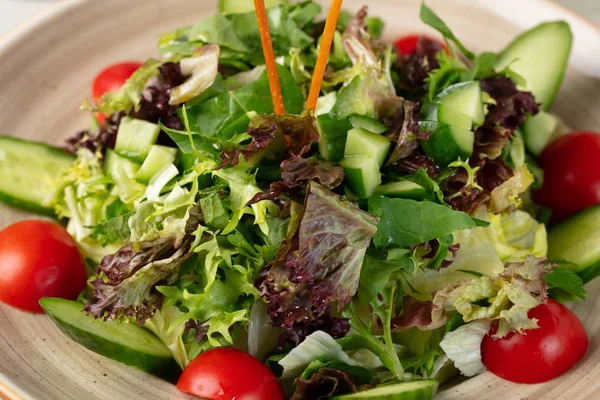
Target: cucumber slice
<point x="30" y="173"/>
<point x="158" y="158"/>
<point x="577" y="240"/>
<point x="361" y="142"/>
<point x="126" y="343"/>
<point x="367" y="123"/>
<point x="117" y="166"/>
<point x="417" y="390"/>
<point x="436" y="112"/>
<point x="333" y="134"/>
<point x="245" y="6"/>
<point x="447" y="143"/>
<point x="401" y="189"/>
<point x="135" y="137"/>
<point x="465" y="98"/>
<point x="362" y="174"/>
<point x="538" y="131"/>
<point x="540" y="56"/>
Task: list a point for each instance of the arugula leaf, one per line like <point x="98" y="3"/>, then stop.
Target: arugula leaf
<point x="407" y="222"/>
<point x="483" y="68"/>
<point x="213" y="116"/>
<point x="429" y="17"/>
<point x="376" y="273"/>
<point x="565" y="285"/>
<point x="451" y="71"/>
<point x="432" y="188"/>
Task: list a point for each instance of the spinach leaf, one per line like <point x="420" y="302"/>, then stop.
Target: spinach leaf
<point x="408" y="222"/>
<point x="429" y="17"/>
<point x="565" y="285"/>
<point x="212" y="117"/>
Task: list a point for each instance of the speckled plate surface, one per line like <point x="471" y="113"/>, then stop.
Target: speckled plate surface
<point x="45" y="70"/>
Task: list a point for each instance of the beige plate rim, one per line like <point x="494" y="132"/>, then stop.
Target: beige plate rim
<point x="9" y="390"/>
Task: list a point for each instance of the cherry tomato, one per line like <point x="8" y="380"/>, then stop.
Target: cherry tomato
<point x="111" y="79"/>
<point x="540" y="354"/>
<point x="571" y="167"/>
<point x="229" y="374"/>
<point x="408" y="43"/>
<point x="38" y="259"/>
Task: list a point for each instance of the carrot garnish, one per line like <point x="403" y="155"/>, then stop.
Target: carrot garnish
<point x="324" y="49"/>
<point x="267" y="45"/>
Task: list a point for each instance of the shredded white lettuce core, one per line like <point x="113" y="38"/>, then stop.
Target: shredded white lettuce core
<point x="463" y="346"/>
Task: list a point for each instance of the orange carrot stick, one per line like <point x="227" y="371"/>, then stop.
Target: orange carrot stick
<point x="325" y="48"/>
<point x="267" y="45"/>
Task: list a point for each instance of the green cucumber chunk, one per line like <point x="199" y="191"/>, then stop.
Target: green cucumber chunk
<point x="117" y="166"/>
<point x="540" y="56"/>
<point x="367" y="123"/>
<point x="577" y="241"/>
<point x="465" y="98"/>
<point x="135" y="137"/>
<point x="416" y="390"/>
<point x="245" y="6"/>
<point x="126" y="343"/>
<point x="436" y="112"/>
<point x="158" y="157"/>
<point x="538" y="131"/>
<point x="401" y="189"/>
<point x="362" y="174"/>
<point x="333" y="134"/>
<point x="30" y="174"/>
<point x="447" y="143"/>
<point x="361" y="142"/>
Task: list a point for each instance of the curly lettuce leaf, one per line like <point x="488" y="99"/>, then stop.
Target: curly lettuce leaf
<point x="129" y="96"/>
<point x="506" y="298"/>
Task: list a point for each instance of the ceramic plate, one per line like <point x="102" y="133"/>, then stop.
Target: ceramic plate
<point x="46" y="69"/>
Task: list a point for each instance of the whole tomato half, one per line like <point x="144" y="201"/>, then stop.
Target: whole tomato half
<point x="38" y="259"/>
<point x="538" y="355"/>
<point x="229" y="374"/>
<point x="571" y="167"/>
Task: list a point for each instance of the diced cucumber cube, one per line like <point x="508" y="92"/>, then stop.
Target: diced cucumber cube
<point x="117" y="166"/>
<point x="362" y="175"/>
<point x="361" y="142"/>
<point x="333" y="134"/>
<point x="401" y="189"/>
<point x="447" y="143"/>
<point x="436" y="112"/>
<point x="158" y="157"/>
<point x="465" y="98"/>
<point x="368" y="123"/>
<point x="135" y="137"/>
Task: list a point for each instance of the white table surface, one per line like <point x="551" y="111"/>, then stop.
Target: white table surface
<point x="13" y="12"/>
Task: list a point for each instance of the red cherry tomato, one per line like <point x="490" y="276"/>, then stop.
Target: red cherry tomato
<point x="229" y="374"/>
<point x="571" y="167"/>
<point x="111" y="79"/>
<point x="408" y="43"/>
<point x="540" y="354"/>
<point x="38" y="259"/>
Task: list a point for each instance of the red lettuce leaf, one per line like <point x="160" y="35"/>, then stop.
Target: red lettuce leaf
<point x="291" y="135"/>
<point x="324" y="384"/>
<point x="320" y="266"/>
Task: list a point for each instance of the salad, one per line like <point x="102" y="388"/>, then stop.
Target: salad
<point x="418" y="223"/>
